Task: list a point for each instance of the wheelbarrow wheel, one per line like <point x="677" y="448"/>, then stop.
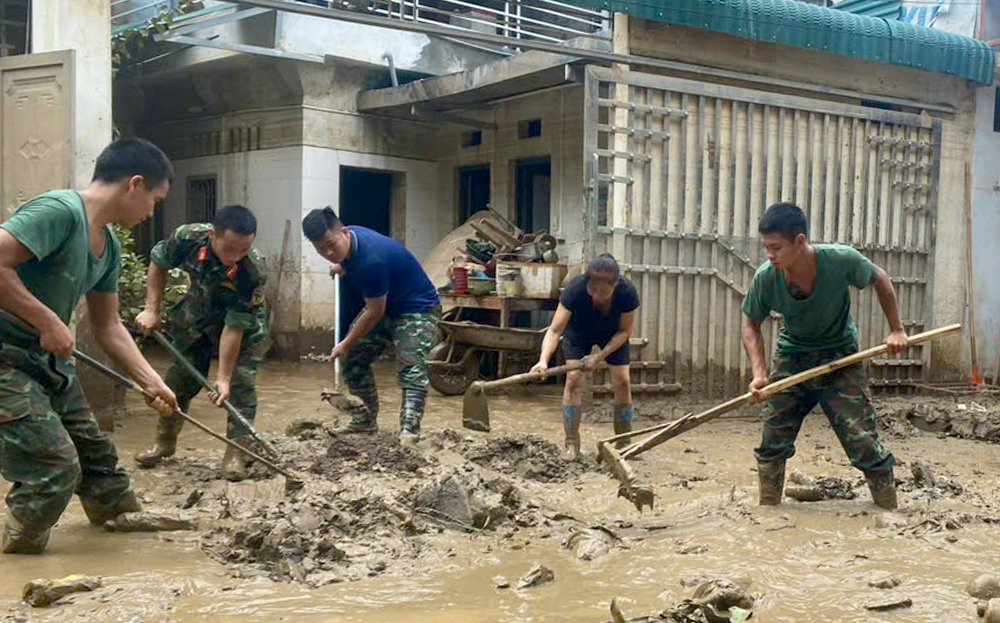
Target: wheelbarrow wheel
<point x="455" y="379"/>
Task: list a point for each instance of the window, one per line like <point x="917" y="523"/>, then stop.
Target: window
<point x="472" y="139"/>
<point x="996" y="110"/>
<point x="201" y="199"/>
<point x="13" y="27"/>
<point x="530" y="128"/>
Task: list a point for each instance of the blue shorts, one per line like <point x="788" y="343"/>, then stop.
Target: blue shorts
<point x="577" y="346"/>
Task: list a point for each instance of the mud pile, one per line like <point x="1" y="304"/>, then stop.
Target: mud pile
<point x="974" y="417"/>
<point x="369" y="506"/>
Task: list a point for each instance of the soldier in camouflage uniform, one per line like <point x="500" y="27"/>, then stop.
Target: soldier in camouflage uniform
<point x="223" y="311"/>
<point x="401" y="308"/>
<point x="809" y="285"/>
<point x="56" y="248"/>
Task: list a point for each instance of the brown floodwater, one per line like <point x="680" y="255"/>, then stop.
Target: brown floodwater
<point x="806" y="562"/>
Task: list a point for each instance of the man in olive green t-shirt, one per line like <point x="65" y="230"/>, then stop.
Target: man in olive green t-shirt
<point x="54" y="249"/>
<point x="809" y="286"/>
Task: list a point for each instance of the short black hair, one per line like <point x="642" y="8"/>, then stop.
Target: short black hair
<point x="320" y="221"/>
<point x="126" y="157"/>
<point x="784" y="218"/>
<point x="235" y="218"/>
<point x="602" y="267"/>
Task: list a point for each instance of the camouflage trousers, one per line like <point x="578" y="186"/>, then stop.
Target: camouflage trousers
<point x="243" y="394"/>
<point x="412" y="336"/>
<point x="50" y="443"/>
<point x="845" y="399"/>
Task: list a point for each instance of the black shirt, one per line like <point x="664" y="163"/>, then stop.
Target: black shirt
<point x="588" y="321"/>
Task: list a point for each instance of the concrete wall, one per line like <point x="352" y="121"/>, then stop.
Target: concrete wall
<point x="561" y="112"/>
<point x="949" y="357"/>
<point x="84" y="26"/>
<point x="986" y="231"/>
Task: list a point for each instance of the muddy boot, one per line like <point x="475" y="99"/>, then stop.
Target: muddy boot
<point x="98" y="513"/>
<point x="571" y="427"/>
<point x="410" y="414"/>
<point x="363" y="420"/>
<point x="167" y="429"/>
<point x="624" y="414"/>
<point x="771" y="476"/>
<point x="19" y="539"/>
<point x="234" y="468"/>
<point x="882" y="484"/>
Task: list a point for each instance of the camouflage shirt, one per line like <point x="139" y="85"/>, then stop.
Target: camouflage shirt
<point x="218" y="295"/>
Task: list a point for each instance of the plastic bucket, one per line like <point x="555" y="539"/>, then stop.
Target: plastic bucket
<point x="508" y="280"/>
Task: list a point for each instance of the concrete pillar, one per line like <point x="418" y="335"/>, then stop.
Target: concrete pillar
<point x="84" y="26"/>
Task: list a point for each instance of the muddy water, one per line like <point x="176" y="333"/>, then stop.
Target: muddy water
<point x="806" y="562"/>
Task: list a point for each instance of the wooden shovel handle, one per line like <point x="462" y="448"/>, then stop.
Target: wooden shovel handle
<point x="528" y="377"/>
<point x="672" y="429"/>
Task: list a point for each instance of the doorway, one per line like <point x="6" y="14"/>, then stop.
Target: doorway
<point x="473" y="191"/>
<point x="532" y="193"/>
<point x="365" y="201"/>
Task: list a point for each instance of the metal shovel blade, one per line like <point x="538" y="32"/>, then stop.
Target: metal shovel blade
<point x="476" y="409"/>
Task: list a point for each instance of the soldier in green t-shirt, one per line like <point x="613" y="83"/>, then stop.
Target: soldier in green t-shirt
<point x="56" y="248"/>
<point x="809" y="286"/>
<point x="224" y="311"/>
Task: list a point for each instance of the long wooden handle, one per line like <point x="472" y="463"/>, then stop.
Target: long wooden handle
<point x="672" y="429"/>
<point x="528" y="377"/>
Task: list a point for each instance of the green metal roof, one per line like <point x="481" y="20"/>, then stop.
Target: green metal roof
<point x="808" y="26"/>
<point x="889" y="9"/>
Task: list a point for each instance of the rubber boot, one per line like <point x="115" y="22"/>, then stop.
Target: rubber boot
<point x="364" y="420"/>
<point x="98" y="513"/>
<point x="234" y="468"/>
<point x="18" y="539"/>
<point x="167" y="429"/>
<point x="624" y="414"/>
<point x="572" y="414"/>
<point x="771" y="477"/>
<point x="882" y="484"/>
<point x="410" y="413"/>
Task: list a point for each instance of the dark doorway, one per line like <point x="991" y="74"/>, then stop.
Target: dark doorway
<point x="532" y="188"/>
<point x="201" y="198"/>
<point x="365" y="201"/>
<point x="473" y="190"/>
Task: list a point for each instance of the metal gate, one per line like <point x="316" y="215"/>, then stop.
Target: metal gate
<point x="679" y="172"/>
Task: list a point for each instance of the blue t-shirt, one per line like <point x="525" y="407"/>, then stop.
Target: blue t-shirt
<point x="380" y="266"/>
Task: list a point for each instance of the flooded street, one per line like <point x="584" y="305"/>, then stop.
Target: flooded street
<point x="804" y="561"/>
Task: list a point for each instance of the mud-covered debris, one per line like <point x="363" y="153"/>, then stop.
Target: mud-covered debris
<point x="884" y="581"/>
<point x="892" y="603"/>
<point x="146" y="521"/>
<point x="379" y="452"/>
<point x="716" y="601"/>
<point x="304" y="428"/>
<point x="806" y="489"/>
<point x="922" y="475"/>
<point x="985" y="587"/>
<point x="991" y="613"/>
<point x="501" y="582"/>
<point x="41" y="593"/>
<point x="591" y="543"/>
<point x="451" y="500"/>
<point x="617" y="616"/>
<point x="526" y="456"/>
<point x="536" y="576"/>
<point x="192" y="499"/>
<point x="347" y="404"/>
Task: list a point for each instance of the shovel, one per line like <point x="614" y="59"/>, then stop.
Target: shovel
<point x="476" y="408"/>
<point x="641" y="495"/>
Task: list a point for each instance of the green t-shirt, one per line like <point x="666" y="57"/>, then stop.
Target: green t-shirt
<point x="54" y="228"/>
<point x="821" y="321"/>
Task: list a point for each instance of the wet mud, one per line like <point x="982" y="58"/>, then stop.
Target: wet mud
<point x="449" y="530"/>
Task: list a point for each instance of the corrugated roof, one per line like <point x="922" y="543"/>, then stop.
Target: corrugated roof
<point x="817" y="28"/>
<point x="889" y="9"/>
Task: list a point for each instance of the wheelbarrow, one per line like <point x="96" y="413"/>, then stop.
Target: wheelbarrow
<point x="453" y="364"/>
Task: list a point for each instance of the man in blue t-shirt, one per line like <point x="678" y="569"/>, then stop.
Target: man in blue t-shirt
<point x="401" y="308"/>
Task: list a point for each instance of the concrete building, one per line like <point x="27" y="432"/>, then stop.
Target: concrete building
<point x="665" y="158"/>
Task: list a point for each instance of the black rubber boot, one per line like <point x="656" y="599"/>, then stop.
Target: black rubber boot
<point x="98" y="512"/>
<point x="771" y="477"/>
<point x="234" y="466"/>
<point x="364" y="420"/>
<point x="411" y="412"/>
<point x="19" y="539"/>
<point x="572" y="415"/>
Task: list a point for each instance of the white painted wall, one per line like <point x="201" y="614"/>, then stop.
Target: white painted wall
<point x="83" y="26"/>
<point x="986" y="231"/>
<point x="427" y="218"/>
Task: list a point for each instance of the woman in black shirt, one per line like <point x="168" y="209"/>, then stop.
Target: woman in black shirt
<point x="596" y="308"/>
